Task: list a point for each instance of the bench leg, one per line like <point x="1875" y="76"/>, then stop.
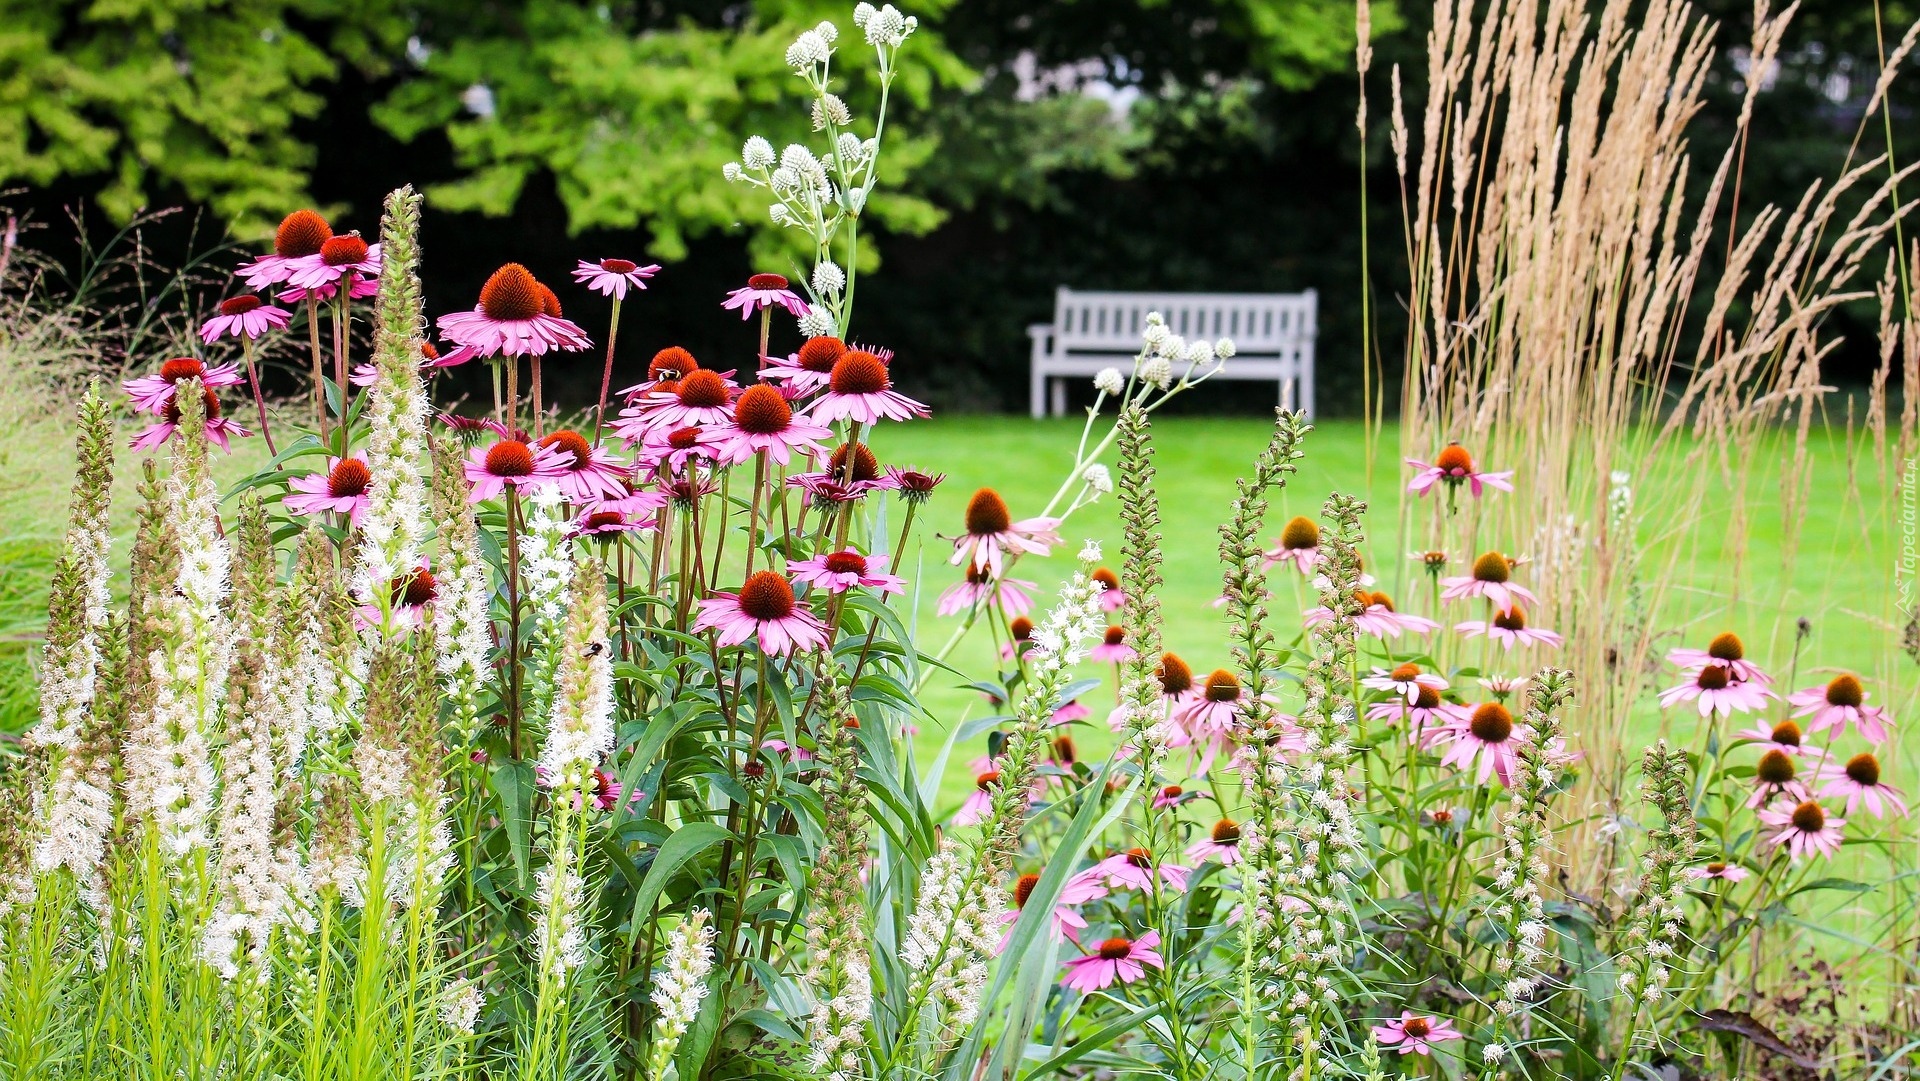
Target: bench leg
<point x="1037" y="393"/>
<point x="1059" y="403"/>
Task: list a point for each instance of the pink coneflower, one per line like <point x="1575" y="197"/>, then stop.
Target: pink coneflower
<point x="634" y="500"/>
<point x="763" y="421"/>
<point x="1064" y="923"/>
<point x="861" y="389"/>
<point x="1859" y="781"/>
<point x="765" y="291"/>
<point x="218" y="429"/>
<point x="808" y="370"/>
<point x="1785" y="736"/>
<point x="673" y="448"/>
<point x="1413" y="1034"/>
<point x="1717" y="692"/>
<point x="1484" y="744"/>
<point x="1222" y="844"/>
<point x="342" y="489"/>
<point x="1725" y="872"/>
<point x="1116" y="959"/>
<point x="1405" y="680"/>
<point x="1509" y="628"/>
<point x="1841" y="702"/>
<point x="1108" y="583"/>
<point x="1376" y="617"/>
<point x="244" y="316"/>
<point x="1010" y="595"/>
<point x="1805" y="830"/>
<point x="664" y="372"/>
<point x="153" y="393"/>
<point x="515" y="317"/>
<point x="765" y="609"/>
<point x="1503" y="687"/>
<point x="1019" y="638"/>
<point x="1424" y="713"/>
<point x="408" y="597"/>
<point x="613" y="277"/>
<point x="299" y="236"/>
<point x="1775" y="776"/>
<point x="340" y="258"/>
<point x="702" y="398"/>
<point x="992" y="532"/>
<point x="599" y="522"/>
<point x="1727" y="651"/>
<point x="1299" y="545"/>
<point x="914" y="486"/>
<point x="780" y="748"/>
<point x="1491" y="578"/>
<point x="357" y="290"/>
<point x="1113" y="647"/>
<point x="1175" y="796"/>
<point x="1216" y="708"/>
<point x="1068" y="712"/>
<point x="469" y="427"/>
<point x="849" y="473"/>
<point x="586" y="471"/>
<point x="510" y="462"/>
<point x="1454" y="467"/>
<point x="979" y="802"/>
<point x="1135" y="869"/>
<point x="837" y="572"/>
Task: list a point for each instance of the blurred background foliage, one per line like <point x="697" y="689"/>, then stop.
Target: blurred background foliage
<point x="1133" y="144"/>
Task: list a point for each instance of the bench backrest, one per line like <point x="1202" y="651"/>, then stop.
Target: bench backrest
<point x="1258" y="323"/>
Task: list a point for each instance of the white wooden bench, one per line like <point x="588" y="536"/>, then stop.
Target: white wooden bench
<point x="1272" y="335"/>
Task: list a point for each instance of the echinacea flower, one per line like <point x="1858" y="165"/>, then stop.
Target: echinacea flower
<point x="1175" y="796"/>
<point x="992" y="533"/>
<point x="667" y="368"/>
<point x="1725" y="872"/>
<point x="218" y="429"/>
<point x="979" y="802"/>
<point x="1222" y="844"/>
<point x="1064" y="924"/>
<point x="468" y="427"/>
<point x="1135" y="869"/>
<point x="635" y="499"/>
<point x="1509" y="628"/>
<point x="599" y="522"/>
<point x="837" y="572"/>
<point x="861" y="389"/>
<point x="1454" y="467"/>
<point x="1376" y="617"/>
<point x="849" y="473"/>
<point x="153" y="393"/>
<point x="1491" y="578"/>
<point x="1405" y="680"/>
<point x="1299" y="545"/>
<point x="1010" y="595"/>
<point x="763" y="421"/>
<point x="1413" y="1034"/>
<point x="810" y="368"/>
<point x="1117" y="959"/>
<point x="299" y="236"/>
<point x="585" y="472"/>
<point x="1727" y="651"/>
<point x="510" y="463"/>
<point x="1108" y="583"/>
<point x="1717" y="692"/>
<point x="1785" y="737"/>
<point x="1774" y="777"/>
<point x="1425" y="712"/>
<point x="1841" y="702"/>
<point x="1019" y="638"/>
<point x="914" y="486"/>
<point x="701" y="398"/>
<point x="516" y="316"/>
<point x="345" y="257"/>
<point x="764" y="609"/>
<point x="764" y="291"/>
<point x="1068" y="712"/>
<point x="1485" y="744"/>
<point x="672" y="449"/>
<point x="1113" y="647"/>
<point x="342" y="489"/>
<point x="407" y="599"/>
<point x="244" y="316"/>
<point x="613" y="277"/>
<point x="1859" y="781"/>
<point x="1805" y="830"/>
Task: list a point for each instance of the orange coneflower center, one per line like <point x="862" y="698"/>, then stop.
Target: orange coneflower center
<point x="987" y="514"/>
<point x="1063" y="749"/>
<point x="301" y="233"/>
<point x="1454" y="460"/>
<point x="510" y="295"/>
<point x="1140" y="858"/>
<point x="415" y="589"/>
<point x="1416" y="1028"/>
<point x="1226" y="832"/>
<point x="1863" y="770"/>
<point x="343" y="250"/>
<point x="986" y="780"/>
<point x="1300" y="533"/>
<point x="1380" y="599"/>
<point x="865" y="465"/>
<point x="1106" y="579"/>
<point x="1513" y="619"/>
<point x="428" y="352"/>
<point x="1776" y="767"/>
<point x="846" y="563"/>
<point x="1716" y="868"/>
<point x="1115" y="636"/>
<point x="761" y="410"/>
<point x="1491" y="723"/>
<point x="1021" y="628"/>
<point x="1726" y="647"/>
<point x="977" y="575"/>
<point x="239" y="305"/>
<point x="1492" y="567"/>
<point x="510" y="458"/>
<point x="601" y="519"/>
<point x="1222" y="687"/>
<point x="858" y="372"/>
<point x="207" y="396"/>
<point x="1845" y="690"/>
<point x="819" y="354"/>
<point x="1171" y="791"/>
<point x="1809" y="817"/>
<point x="1787" y="733"/>
<point x="573" y="443"/>
<point x="1713" y="677"/>
<point x="672" y="362"/>
<point x="766" y="595"/>
<point x="549" y="303"/>
<point x="684" y="438"/>
<point x="349" y="477"/>
<point x="1023" y="889"/>
<point x="618" y="266"/>
<point x="702" y="390"/>
<point x="767" y="281"/>
<point x="1428" y="698"/>
<point x="181" y="368"/>
<point x="1443" y="817"/>
<point x="1115" y="949"/>
<point x="1175" y="676"/>
<point x="1404" y="673"/>
<point x="1433" y="559"/>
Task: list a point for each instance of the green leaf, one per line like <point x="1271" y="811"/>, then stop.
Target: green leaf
<point x="687" y="842"/>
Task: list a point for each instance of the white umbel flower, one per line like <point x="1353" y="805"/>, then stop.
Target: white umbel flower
<point x="756" y="153"/>
<point x="818" y="323"/>
<point x="828" y="278"/>
<point x="1098" y="478"/>
<point x="1109" y="381"/>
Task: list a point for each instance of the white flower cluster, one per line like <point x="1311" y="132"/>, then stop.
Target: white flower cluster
<point x="546" y="559"/>
<point x="818" y="323"/>
<point x="463" y="628"/>
<point x="249" y="881"/>
<point x="886" y="28"/>
<point x="1163" y="351"/>
<point x="954" y="929"/>
<point x="560" y="943"/>
<point x="1060" y="641"/>
<point x="1520" y="866"/>
<point x="581" y="728"/>
<point x="460" y="1005"/>
<point x="1098" y="477"/>
<point x="394" y="526"/>
<point x="838" y="1024"/>
<point x="1110" y="382"/>
<point x="681" y="986"/>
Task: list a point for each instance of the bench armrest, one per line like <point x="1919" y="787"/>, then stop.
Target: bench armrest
<point x="1039" y="331"/>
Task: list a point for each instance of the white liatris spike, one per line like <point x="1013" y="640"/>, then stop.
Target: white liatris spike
<point x="250" y="895"/>
<point x="560" y="943"/>
<point x="394" y="526"/>
<point x="680" y="987"/>
<point x="460" y="1005"/>
<point x="581" y="730"/>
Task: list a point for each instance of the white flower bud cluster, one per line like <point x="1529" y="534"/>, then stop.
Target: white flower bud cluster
<point x="954" y="929"/>
<point x="460" y="1005"/>
<point x="828" y="278"/>
<point x="818" y="323"/>
<point x="1110" y="382"/>
<point x="560" y="943"/>
<point x="681" y="985"/>
<point x="1099" y="479"/>
<point x="886" y="28"/>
